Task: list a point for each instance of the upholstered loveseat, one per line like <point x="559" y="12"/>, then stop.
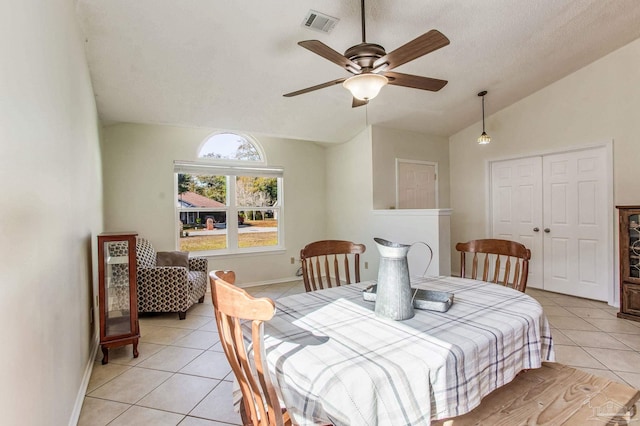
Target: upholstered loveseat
<point x="168" y="288"/>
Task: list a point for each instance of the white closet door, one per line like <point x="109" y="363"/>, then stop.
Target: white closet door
<point x="575" y="216"/>
<point x="517" y="208"/>
<point x="564" y="197"/>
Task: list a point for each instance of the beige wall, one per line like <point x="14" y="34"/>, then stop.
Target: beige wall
<point x="328" y="191"/>
<point x="50" y="213"/>
<point x="389" y="144"/>
<point x="139" y="185"/>
<point x="349" y="192"/>
<point x="594" y="105"/>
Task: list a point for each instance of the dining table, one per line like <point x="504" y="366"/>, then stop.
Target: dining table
<point x="334" y="361"/>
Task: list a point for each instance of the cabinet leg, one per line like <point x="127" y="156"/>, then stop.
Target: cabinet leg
<point x="105" y="355"/>
<point x="135" y="348"/>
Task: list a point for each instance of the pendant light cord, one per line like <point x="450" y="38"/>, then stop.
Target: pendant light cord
<point x="483" y="114"/>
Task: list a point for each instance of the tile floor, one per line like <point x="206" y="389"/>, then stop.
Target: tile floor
<point x="182" y="377"/>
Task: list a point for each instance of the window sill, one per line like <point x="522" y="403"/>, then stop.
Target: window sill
<point x="243" y="253"/>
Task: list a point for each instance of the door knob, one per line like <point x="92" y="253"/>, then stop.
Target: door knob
<point x="536" y="229"/>
<point x="547" y="230"/>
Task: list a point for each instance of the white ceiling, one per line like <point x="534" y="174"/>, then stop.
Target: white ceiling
<point x="226" y="64"/>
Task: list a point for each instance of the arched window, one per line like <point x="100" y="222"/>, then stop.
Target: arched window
<point x="231" y="147"/>
<point x="229" y="201"/>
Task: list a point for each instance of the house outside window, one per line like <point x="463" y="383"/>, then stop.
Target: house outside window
<point x="230" y="180"/>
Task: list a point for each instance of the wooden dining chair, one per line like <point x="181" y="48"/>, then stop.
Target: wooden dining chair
<point x="233" y="306"/>
<point x="328" y="260"/>
<point x="516" y="257"/>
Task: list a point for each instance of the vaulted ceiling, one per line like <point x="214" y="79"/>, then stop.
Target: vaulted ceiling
<point x="226" y="64"/>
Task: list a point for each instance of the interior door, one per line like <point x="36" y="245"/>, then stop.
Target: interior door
<point x="575" y="216"/>
<point x="517" y="208"/>
<point x="416" y="185"/>
<point x="557" y="206"/>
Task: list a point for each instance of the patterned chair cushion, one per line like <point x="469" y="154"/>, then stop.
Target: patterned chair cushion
<point x="172" y="258"/>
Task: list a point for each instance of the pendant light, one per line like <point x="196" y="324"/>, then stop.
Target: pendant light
<point x="484" y="137"/>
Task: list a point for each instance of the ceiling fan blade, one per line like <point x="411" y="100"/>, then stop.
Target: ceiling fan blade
<point x="316" y="87"/>
<point x="357" y="102"/>
<point x="415" y="81"/>
<point x="319" y="48"/>
<point x="426" y="43"/>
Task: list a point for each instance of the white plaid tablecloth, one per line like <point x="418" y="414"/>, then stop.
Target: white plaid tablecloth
<point x="334" y="361"/>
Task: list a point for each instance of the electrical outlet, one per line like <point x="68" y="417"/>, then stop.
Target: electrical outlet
<point x="366" y="265"/>
<point x="293" y="260"/>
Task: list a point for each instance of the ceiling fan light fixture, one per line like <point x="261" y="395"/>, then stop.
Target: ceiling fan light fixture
<point x="484" y="137"/>
<point x="365" y="86"/>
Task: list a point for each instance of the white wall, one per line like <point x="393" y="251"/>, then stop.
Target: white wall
<point x="50" y="212"/>
<point x="389" y="144"/>
<point x="352" y="217"/>
<point x="139" y="185"/>
<point x="594" y="105"/>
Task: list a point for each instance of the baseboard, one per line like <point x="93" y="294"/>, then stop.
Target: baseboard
<point x="77" y="407"/>
<point x="276" y="281"/>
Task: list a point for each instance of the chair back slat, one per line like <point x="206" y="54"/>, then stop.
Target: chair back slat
<point x="496" y="269"/>
<point x="232" y="307"/>
<point x="516" y="264"/>
<point x="507" y="271"/>
<point x="485" y="268"/>
<point x="340" y="260"/>
<point x="516" y="274"/>
<point x="326" y="271"/>
<point x="314" y="272"/>
<point x="346" y="268"/>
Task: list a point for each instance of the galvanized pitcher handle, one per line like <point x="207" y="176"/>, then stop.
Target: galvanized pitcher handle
<point x="430" y="256"/>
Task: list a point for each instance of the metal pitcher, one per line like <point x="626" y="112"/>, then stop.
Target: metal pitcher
<point x="394" y="297"/>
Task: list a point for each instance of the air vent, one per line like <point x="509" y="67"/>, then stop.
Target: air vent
<point x="319" y="21"/>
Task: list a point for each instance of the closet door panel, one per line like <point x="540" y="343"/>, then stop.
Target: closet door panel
<point x="575" y="215"/>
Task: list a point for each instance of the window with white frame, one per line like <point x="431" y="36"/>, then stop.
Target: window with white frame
<point x="230" y="181"/>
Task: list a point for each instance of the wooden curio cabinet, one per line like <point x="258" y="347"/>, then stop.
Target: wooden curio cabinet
<point x="118" y="304"/>
<point x="629" y="221"/>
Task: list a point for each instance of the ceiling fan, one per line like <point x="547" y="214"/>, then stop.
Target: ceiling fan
<point x="371" y="65"/>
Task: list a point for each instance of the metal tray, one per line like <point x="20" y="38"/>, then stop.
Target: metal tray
<point x="430" y="300"/>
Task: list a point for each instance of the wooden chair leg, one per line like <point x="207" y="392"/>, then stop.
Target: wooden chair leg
<point x="182" y="315"/>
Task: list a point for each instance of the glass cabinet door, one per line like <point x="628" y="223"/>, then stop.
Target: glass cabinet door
<point x="117" y="309"/>
<point x="634" y="245"/>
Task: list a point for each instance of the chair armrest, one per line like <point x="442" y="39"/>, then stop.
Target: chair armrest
<point x="198" y="263"/>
